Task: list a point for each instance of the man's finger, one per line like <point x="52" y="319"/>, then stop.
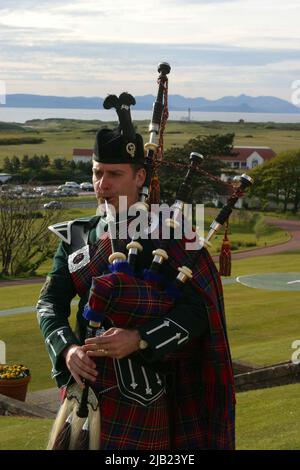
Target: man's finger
<point x="78" y="380"/>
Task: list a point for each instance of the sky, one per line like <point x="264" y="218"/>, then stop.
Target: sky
<point x="91" y="48"/>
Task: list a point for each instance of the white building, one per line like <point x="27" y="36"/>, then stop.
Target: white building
<point x="244" y="158"/>
<point x="241" y="160"/>
<point x="82" y="155"/>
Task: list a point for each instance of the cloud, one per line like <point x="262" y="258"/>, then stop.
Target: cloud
<point x="15" y="43"/>
<point x="96" y="43"/>
<point x="32" y="4"/>
<point x="203" y="2"/>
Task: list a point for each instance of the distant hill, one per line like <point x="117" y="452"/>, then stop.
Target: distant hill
<point x="241" y="103"/>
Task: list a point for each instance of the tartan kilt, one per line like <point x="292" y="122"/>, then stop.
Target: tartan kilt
<point x="127" y="425"/>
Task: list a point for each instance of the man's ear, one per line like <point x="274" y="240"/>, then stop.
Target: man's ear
<point x="140" y="177"/>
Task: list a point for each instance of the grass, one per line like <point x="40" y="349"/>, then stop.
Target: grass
<point x="282" y="262"/>
<point x="24" y="344"/>
<point x="27" y="295"/>
<point x="261" y="323"/>
<point x="61" y="136"/>
<point x="18" y="433"/>
<point x="241" y="232"/>
<point x="267" y="419"/>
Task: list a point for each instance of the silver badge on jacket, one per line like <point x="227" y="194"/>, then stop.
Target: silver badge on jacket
<point x="79" y="259"/>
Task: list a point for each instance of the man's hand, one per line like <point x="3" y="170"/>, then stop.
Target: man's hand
<point x="79" y="364"/>
<point x="115" y="343"/>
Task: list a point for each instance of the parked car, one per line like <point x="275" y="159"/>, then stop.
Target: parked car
<point x="18" y="189"/>
<point x="39" y="189"/>
<point x="28" y="195"/>
<point x="72" y="184"/>
<point x="86" y="186"/>
<point x="53" y="205"/>
<point x="68" y="191"/>
<point x="48" y="194"/>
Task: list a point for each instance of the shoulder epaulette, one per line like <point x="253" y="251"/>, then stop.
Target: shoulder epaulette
<point x="64" y="229"/>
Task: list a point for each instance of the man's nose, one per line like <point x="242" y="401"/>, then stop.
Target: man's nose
<point x="104" y="183"/>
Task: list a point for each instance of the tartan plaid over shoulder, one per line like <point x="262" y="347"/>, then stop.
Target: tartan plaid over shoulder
<point x="215" y="364"/>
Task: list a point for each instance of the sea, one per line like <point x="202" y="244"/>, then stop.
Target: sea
<point x="21" y="115"/>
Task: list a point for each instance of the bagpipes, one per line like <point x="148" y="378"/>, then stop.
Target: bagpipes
<point x="126" y="298"/>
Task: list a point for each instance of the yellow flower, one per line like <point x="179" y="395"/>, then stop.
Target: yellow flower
<point x="14" y="371"/>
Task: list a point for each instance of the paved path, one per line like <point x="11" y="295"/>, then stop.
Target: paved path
<point x="17" y="282"/>
<point x="290" y="226"/>
<point x="46" y="399"/>
<point x="29" y="309"/>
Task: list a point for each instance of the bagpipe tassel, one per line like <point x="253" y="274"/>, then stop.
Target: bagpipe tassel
<point x="61" y="430"/>
<point x="72" y="429"/>
<point x="83" y="437"/>
<point x="225" y="256"/>
<point x="154" y="197"/>
<point x="94" y="429"/>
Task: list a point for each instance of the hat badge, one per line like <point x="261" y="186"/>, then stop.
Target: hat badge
<point x="130" y="148"/>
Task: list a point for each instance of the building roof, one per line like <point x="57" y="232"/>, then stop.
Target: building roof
<point x="242" y="153"/>
<point x="82" y="152"/>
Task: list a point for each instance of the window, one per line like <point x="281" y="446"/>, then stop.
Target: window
<point x="254" y="163"/>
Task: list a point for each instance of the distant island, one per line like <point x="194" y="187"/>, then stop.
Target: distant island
<point x="241" y="103"/>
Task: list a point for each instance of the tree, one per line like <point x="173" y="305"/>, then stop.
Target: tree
<point x="7" y="165"/>
<point x="16" y="164"/>
<point x="25" y="162"/>
<point x="210" y="147"/>
<point x="25" y="241"/>
<point x="279" y="180"/>
<point x="58" y="163"/>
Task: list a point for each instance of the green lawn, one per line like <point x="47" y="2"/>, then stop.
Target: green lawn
<point x="24" y="344"/>
<point x="267" y="419"/>
<point x="61" y="136"/>
<point x="18" y="433"/>
<point x="283" y="262"/>
<point x="262" y="323"/>
<point x="25" y="297"/>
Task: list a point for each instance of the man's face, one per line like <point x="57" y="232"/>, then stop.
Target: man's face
<point x="113" y="180"/>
